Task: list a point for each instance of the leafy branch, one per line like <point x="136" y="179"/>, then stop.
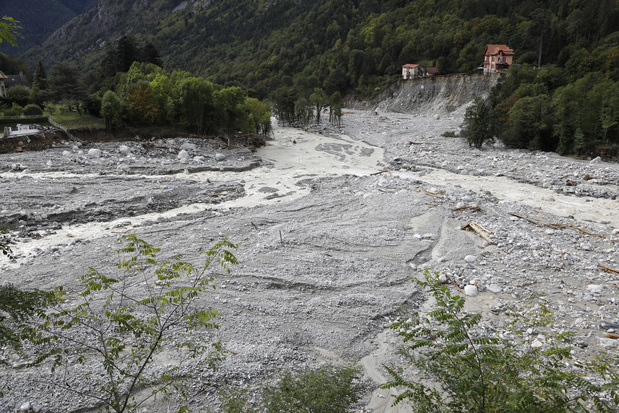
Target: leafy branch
<point x="463" y="369"/>
<point x="116" y="326"/>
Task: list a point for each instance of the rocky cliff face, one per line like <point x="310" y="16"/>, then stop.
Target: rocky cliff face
<point x="103" y="24"/>
<point x="448" y="93"/>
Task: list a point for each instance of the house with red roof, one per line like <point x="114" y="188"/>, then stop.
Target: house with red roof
<point x="410" y="71"/>
<point x="497" y="57"/>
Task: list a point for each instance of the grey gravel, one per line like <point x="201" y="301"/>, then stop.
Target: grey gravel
<point x="332" y="224"/>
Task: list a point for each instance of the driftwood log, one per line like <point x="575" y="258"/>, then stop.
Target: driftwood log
<point x="475" y="227"/>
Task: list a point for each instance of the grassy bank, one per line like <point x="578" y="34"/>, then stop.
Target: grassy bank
<point x="73" y="120"/>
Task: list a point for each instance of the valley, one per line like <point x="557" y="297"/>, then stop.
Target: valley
<point x="332" y="223"/>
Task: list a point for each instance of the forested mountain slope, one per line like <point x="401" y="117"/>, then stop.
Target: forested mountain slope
<point x="39" y="19"/>
<point x="289" y="50"/>
<point x="338" y="43"/>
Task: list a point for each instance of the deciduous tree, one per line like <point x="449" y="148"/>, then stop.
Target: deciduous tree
<point x="118" y="324"/>
<point x="319" y="99"/>
<point x="112" y="110"/>
<point x="8" y="30"/>
<point x="460" y="368"/>
<point x="66" y="85"/>
<point x="478" y="125"/>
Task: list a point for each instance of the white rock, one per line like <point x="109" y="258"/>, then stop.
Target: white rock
<point x="596" y="160"/>
<point x="442" y="278"/>
<point x="219" y="156"/>
<point x="495" y="288"/>
<point x="188" y="146"/>
<point x="124" y="149"/>
<point x="470" y="259"/>
<point x="66" y="153"/>
<point x="536" y="344"/>
<point x="25" y="407"/>
<point x="183" y="154"/>
<point x="94" y="153"/>
<point x="595" y="288"/>
<point x="49" y="163"/>
<point x="608" y="342"/>
<point x="471" y="290"/>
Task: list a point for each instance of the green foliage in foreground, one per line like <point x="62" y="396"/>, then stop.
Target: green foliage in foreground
<point x="462" y="369"/>
<point x="329" y="389"/>
<point x="17" y="307"/>
<point x="8" y="30"/>
<point x="116" y="326"/>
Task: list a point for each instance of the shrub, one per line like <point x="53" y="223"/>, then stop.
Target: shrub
<point x="32" y="109"/>
<point x="449" y="134"/>
<point x="478" y="125"/>
<point x="18" y="94"/>
<point x="116" y="326"/>
<point x="329" y="389"/>
<point x="14" y="110"/>
<point x="461" y="369"/>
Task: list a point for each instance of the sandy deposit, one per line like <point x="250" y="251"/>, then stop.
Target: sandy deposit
<point x="332" y="225"/>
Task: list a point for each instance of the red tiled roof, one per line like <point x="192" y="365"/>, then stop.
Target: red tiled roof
<point x="493" y="49"/>
<point x="411" y="65"/>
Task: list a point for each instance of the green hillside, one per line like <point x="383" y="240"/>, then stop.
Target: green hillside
<point x="285" y="49"/>
<point x="344" y="44"/>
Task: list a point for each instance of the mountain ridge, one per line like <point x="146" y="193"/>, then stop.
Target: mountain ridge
<point x="356" y="44"/>
<point x="39" y="19"/>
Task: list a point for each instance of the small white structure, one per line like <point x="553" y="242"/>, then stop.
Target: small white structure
<point x="22" y="130"/>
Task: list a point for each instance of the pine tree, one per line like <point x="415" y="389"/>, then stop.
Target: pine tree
<point x="40" y="77"/>
<point x="150" y="54"/>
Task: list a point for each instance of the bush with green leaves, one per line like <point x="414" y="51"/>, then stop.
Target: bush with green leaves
<point x="449" y="134"/>
<point x="329" y="389"/>
<point x="14" y="110"/>
<point x="17" y="308"/>
<point x="116" y="326"/>
<point x="478" y="127"/>
<point x="32" y="109"/>
<point x="459" y="368"/>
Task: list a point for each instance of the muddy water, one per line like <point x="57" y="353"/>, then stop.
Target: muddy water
<point x="294" y="156"/>
<point x="508" y="190"/>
